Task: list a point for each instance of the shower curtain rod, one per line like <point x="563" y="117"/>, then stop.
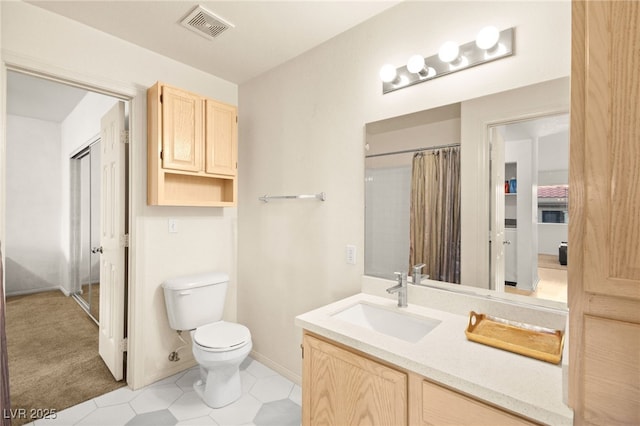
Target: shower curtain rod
<point x="430" y="148"/>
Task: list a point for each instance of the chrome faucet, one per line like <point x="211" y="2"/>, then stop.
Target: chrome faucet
<point x="400" y="288"/>
<point x="417" y="275"/>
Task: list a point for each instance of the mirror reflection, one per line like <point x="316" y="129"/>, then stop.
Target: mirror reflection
<point x="412" y="195"/>
<point x="413" y="190"/>
<point x="531" y="158"/>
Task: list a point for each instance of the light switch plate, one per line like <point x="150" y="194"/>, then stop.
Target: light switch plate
<point x="173" y="226"/>
<point x="351" y="254"/>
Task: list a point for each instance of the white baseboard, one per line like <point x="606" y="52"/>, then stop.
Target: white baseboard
<point x="295" y="378"/>
<point x="38" y="290"/>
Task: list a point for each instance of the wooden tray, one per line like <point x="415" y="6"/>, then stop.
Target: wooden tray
<point x="536" y="342"/>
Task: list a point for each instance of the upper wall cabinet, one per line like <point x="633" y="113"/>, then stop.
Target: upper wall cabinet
<point x="192" y="149"/>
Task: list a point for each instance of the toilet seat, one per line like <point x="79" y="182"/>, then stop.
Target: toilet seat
<point x="221" y="336"/>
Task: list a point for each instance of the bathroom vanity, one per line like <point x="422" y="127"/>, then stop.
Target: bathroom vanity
<point x="366" y="360"/>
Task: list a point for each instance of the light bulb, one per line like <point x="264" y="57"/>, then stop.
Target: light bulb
<point x="415" y="64"/>
<point x="388" y="73"/>
<point x="487" y="38"/>
<point x="449" y="52"/>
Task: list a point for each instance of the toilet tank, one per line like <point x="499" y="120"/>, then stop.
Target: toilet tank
<point x="195" y="300"/>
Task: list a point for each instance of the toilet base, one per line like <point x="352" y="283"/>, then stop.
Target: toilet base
<point x="219" y="387"/>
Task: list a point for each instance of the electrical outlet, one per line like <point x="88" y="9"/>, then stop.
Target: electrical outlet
<point x="351" y="254"/>
<point x="173" y="226"/>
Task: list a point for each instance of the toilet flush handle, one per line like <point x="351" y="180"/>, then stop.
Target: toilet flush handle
<point x="185" y="292"/>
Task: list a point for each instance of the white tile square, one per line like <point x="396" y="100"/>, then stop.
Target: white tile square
<point x="188" y="379"/>
<point x="114" y="415"/>
<point x="156" y="398"/>
<point x="272" y="388"/>
<point x="118" y="396"/>
<point x="188" y="406"/>
<point x="167" y="380"/>
<point x="240" y="412"/>
<point x="247" y="381"/>
<point x="259" y="370"/>
<point x="296" y="395"/>
<point x="71" y="415"/>
<point x="200" y="421"/>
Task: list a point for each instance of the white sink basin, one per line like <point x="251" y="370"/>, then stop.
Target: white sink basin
<point x="392" y="323"/>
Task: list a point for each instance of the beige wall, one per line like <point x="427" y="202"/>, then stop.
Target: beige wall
<point x="206" y="236"/>
<point x="302" y="131"/>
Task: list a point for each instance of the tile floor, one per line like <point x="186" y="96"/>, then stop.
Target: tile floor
<point x="267" y="399"/>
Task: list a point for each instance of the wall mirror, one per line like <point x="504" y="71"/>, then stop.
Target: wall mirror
<point x="510" y="240"/>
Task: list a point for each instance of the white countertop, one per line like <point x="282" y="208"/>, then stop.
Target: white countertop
<point x="517" y="383"/>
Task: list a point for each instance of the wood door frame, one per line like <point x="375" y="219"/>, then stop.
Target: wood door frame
<point x="131" y="94"/>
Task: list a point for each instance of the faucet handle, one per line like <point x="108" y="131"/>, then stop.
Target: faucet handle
<point x="418" y="267"/>
<point x="401" y="277"/>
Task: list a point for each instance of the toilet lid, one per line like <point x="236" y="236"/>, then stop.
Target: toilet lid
<point x="222" y="335"/>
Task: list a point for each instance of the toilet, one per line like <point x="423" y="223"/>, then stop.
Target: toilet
<point x="196" y="303"/>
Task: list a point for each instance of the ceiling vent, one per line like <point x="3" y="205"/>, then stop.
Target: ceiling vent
<point x="205" y="23"/>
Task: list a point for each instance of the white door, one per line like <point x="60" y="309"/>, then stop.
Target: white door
<point x="497" y="210"/>
<point x="112" y="229"/>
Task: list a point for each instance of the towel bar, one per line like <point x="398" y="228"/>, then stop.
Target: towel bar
<point x="319" y="196"/>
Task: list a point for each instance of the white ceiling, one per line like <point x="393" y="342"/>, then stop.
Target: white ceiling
<point x="536" y="128"/>
<point x="266" y="34"/>
<point x="35" y="97"/>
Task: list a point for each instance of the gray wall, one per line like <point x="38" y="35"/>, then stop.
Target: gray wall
<point x="33" y="212"/>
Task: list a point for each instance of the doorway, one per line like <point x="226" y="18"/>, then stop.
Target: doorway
<point x="85" y="229"/>
<point x="529" y="201"/>
<point x="72" y="268"/>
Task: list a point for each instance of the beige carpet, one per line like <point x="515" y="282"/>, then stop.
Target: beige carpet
<point x="53" y="353"/>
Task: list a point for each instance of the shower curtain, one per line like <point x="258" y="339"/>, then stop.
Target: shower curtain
<point x="5" y="402"/>
<point x="435" y="214"/>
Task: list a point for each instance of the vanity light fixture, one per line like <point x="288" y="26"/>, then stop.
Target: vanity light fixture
<point x="487" y="38"/>
<point x="490" y="44"/>
<point x="416" y="65"/>
<point x="388" y="74"/>
<point x="449" y="52"/>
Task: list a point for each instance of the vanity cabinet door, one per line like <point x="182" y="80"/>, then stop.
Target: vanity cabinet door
<point x="340" y="387"/>
<point x="434" y="405"/>
<point x="182" y="130"/>
<point x="221" y="138"/>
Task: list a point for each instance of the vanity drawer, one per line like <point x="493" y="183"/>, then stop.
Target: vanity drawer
<point x="437" y="405"/>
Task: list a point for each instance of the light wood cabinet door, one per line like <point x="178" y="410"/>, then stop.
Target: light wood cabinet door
<point x="221" y="138"/>
<point x="182" y="130"/>
<point x="343" y="388"/>
<point x="612" y="372"/>
<point x="612" y="143"/>
<point x="604" y="224"/>
<point x="434" y="405"/>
